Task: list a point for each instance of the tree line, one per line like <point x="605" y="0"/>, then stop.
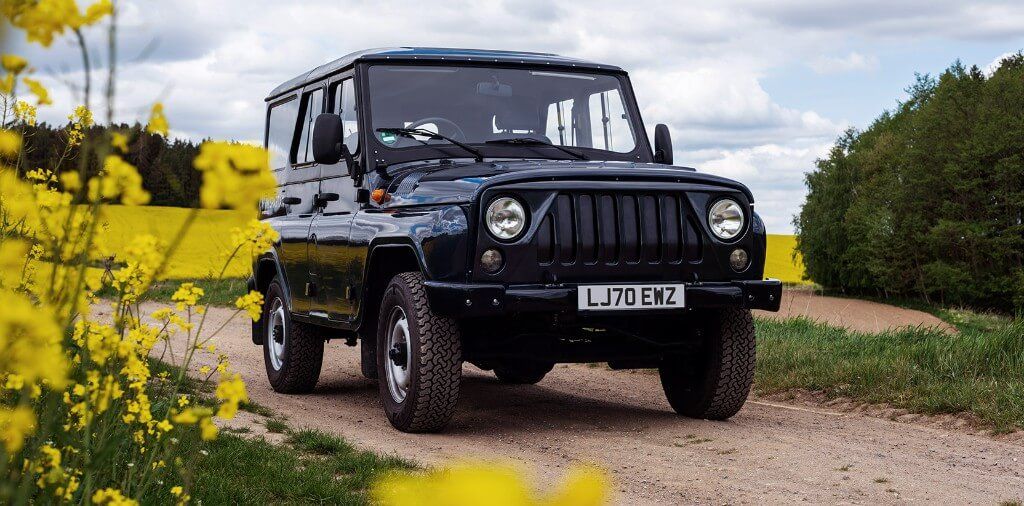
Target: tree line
<point x="928" y="201"/>
<point x="164" y="164"/>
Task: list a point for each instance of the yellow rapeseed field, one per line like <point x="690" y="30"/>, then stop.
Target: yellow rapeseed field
<point x="202" y="252"/>
<point x="204" y="249"/>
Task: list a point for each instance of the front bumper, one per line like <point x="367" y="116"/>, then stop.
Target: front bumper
<point x="467" y="300"/>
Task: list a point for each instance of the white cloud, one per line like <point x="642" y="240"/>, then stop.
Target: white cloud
<point x="697" y="66"/>
<point x="852" y="62"/>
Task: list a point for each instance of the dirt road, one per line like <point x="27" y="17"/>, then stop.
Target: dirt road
<point x="855" y="314"/>
<point x="768" y="453"/>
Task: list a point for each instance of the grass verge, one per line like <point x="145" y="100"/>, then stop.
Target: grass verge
<point x="980" y="370"/>
<point x="310" y="467"/>
<point x="218" y="292"/>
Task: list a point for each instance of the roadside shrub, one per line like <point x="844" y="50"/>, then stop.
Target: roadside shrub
<point x="85" y="416"/>
<point x="928" y="202"/>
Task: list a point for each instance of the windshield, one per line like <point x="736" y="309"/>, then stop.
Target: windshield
<point x="489" y="106"/>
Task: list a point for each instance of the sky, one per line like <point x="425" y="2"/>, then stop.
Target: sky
<point x="754" y="90"/>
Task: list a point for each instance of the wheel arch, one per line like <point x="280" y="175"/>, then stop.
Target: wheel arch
<point x="385" y="260"/>
<point x="265" y="268"/>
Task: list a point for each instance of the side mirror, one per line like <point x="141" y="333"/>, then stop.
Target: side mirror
<point x="328" y="142"/>
<point x="662" y="144"/>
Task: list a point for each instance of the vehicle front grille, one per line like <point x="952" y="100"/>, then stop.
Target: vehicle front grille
<point x="637" y="231"/>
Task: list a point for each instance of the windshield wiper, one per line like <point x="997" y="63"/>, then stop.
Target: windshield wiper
<point x="412" y="132"/>
<point x="531" y="141"/>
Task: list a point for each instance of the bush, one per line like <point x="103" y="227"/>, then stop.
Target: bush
<point x="928" y="202"/>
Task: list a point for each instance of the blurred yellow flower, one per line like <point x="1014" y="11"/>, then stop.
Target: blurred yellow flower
<point x="236" y="176"/>
<point x="10" y="142"/>
<point x="37" y="89"/>
<point x="15" y="425"/>
<point x="475" y="483"/>
<point x="13" y="63"/>
<point x="111" y="497"/>
<point x="119" y="141"/>
<point x="119" y="179"/>
<point x="7" y="84"/>
<point x="256" y="238"/>
<point x="157" y="121"/>
<point x="42" y="20"/>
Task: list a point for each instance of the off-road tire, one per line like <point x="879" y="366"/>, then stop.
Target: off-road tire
<point x="304" y="349"/>
<point x="522" y="372"/>
<point x="713" y="383"/>
<point x="435" y="359"/>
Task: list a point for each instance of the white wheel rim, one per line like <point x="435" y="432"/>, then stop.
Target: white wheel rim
<point x="277" y="335"/>
<point x="398" y="355"/>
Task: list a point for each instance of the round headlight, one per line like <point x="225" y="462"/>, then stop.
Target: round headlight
<point x="505" y="218"/>
<point x="726" y="219"/>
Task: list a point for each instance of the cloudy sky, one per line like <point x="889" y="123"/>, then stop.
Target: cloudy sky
<point x="752" y="89"/>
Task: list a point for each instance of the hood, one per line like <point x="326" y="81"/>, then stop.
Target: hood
<point x="430" y="183"/>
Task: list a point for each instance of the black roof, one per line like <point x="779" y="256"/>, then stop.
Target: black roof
<point x="400" y="54"/>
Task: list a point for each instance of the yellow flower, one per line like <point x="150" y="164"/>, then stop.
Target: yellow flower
<point x="251" y="303"/>
<point x="118" y="179"/>
<point x="42" y="20"/>
<point x="71" y="181"/>
<point x="182" y="401"/>
<point x="491" y="483"/>
<point x="13" y="63"/>
<point x="204" y="370"/>
<point x="256" y="238"/>
<point x="25" y="112"/>
<point x="187" y="295"/>
<point x="80" y="119"/>
<point x="231" y="392"/>
<point x="30" y="340"/>
<point x="7" y="84"/>
<point x="37" y="89"/>
<point x="15" y="425"/>
<point x="111" y="497"/>
<point x="235" y="176"/>
<point x="119" y="141"/>
<point x="164" y="426"/>
<point x="157" y="121"/>
<point x="10" y="142"/>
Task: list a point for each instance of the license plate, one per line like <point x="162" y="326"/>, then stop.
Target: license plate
<point x="627" y="297"/>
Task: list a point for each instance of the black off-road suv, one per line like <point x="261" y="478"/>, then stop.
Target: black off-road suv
<point x="438" y="206"/>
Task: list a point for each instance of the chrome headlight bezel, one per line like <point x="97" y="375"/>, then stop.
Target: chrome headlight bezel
<point x="726" y="219"/>
<point x="500" y="208"/>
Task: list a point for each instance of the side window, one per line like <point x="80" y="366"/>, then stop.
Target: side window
<point x="280" y="128"/>
<point x="312" y="106"/>
<point x="609" y="126"/>
<point x="344" y="95"/>
<point x="559" y="125"/>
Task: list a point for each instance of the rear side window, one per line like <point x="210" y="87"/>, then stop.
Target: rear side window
<point x="312" y="106"/>
<point x="280" y="129"/>
<point x="344" y="96"/>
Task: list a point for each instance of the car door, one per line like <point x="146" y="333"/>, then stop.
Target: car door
<point x="303" y="183"/>
<point x="338" y="267"/>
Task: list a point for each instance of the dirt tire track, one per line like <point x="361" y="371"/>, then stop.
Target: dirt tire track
<point x="767" y="453"/>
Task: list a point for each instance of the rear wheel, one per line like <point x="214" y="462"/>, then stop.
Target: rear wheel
<point x="419" y="358"/>
<point x="522" y="372"/>
<point x="293" y="352"/>
<point x="714" y="382"/>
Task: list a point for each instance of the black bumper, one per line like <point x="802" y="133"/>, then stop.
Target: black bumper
<point x="478" y="299"/>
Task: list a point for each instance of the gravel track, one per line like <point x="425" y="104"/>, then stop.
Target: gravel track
<point x="770" y="452"/>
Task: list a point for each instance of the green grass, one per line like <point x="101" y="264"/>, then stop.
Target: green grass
<point x="980" y="370"/>
<point x="219" y="292"/>
<point x="237" y="470"/>
<point x="276" y="426"/>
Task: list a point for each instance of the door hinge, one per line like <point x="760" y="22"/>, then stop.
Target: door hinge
<point x="310" y="289"/>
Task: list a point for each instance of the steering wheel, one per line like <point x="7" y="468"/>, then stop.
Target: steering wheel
<point x="456" y="131"/>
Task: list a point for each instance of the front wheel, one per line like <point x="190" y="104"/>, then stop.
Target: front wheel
<point x="714" y="382"/>
<point x="419" y="358"/>
<point x="293" y="352"/>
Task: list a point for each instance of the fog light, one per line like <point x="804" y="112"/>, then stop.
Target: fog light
<point x="739" y="259"/>
<point x="491" y="261"/>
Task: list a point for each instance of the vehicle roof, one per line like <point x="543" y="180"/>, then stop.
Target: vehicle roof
<point x="408" y="54"/>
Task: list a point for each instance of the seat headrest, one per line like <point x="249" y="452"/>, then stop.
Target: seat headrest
<point x="517" y="113"/>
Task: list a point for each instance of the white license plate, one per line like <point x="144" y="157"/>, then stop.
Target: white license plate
<point x="626" y="297"/>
